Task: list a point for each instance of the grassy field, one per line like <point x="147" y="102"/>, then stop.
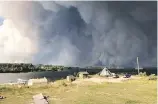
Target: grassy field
<point x="140" y="91"/>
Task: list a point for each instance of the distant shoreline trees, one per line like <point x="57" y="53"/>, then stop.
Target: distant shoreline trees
<point x="21" y="67"/>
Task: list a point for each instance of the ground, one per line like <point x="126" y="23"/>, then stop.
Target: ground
<point x="136" y="91"/>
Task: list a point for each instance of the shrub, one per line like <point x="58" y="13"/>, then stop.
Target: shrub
<point x="64" y="84"/>
<point x="142" y="74"/>
<point x="3" y="88"/>
<point x="61" y="83"/>
<point x="152" y="77"/>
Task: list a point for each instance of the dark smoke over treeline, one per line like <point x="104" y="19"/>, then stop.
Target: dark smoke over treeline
<point x="79" y="33"/>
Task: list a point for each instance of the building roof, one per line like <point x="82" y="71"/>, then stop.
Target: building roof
<point x="83" y="72"/>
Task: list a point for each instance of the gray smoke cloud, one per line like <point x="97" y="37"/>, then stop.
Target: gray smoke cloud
<point x="80" y="33"/>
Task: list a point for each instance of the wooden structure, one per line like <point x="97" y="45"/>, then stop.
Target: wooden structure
<point x="40" y="99"/>
<point x="37" y="81"/>
<point x="70" y="78"/>
<point x="83" y="75"/>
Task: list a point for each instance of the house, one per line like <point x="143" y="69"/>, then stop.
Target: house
<point x="83" y="74"/>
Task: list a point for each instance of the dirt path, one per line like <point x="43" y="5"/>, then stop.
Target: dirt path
<point x="102" y="80"/>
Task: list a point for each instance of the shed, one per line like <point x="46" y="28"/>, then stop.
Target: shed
<point x="83" y="74"/>
<point x="70" y="78"/>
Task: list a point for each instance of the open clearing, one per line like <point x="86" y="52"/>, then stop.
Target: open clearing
<point x="100" y="80"/>
<point x="136" y="91"/>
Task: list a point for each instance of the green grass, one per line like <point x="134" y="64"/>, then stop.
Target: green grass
<point x="142" y="91"/>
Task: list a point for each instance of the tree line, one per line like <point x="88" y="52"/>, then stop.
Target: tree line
<point x="21" y="67"/>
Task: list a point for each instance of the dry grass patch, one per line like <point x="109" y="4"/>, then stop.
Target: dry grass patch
<point x="142" y="91"/>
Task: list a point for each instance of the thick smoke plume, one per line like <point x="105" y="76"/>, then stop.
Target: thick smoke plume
<point x="79" y="33"/>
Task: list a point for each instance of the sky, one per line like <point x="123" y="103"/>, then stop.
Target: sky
<point x="79" y="33"/>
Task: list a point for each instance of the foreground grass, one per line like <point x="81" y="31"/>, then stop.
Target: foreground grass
<point x="140" y="91"/>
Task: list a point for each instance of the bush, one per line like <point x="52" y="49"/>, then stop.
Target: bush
<point x="152" y="77"/>
<point x="61" y="82"/>
<point x="142" y="74"/>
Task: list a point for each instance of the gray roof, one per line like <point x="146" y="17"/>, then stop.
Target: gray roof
<point x="83" y="72"/>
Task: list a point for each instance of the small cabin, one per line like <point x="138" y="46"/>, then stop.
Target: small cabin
<point x="83" y="74"/>
<point x="70" y="78"/>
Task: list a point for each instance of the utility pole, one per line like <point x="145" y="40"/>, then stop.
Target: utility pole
<point x="138" y="65"/>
